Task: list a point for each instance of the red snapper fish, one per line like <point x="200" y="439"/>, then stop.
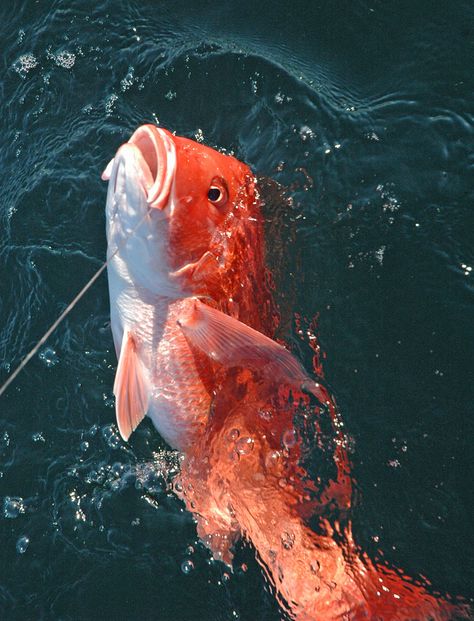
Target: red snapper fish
<point x="193" y="317"/>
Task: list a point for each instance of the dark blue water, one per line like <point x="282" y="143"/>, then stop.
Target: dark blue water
<point x="365" y="110"/>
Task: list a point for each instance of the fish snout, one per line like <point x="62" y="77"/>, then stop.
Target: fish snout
<point x="158" y="162"/>
<point x="150" y="158"/>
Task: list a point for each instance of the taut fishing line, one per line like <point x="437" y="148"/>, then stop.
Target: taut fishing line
<point x="65" y="312"/>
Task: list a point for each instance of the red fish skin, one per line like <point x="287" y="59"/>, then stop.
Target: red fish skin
<point x="240" y="480"/>
<point x="246" y="435"/>
<point x="244" y="479"/>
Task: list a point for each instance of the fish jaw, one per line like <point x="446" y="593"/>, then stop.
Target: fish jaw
<point x="156" y="370"/>
<point x="139" y="202"/>
<point x="156" y="153"/>
<point x="137" y="253"/>
<point x="157" y="147"/>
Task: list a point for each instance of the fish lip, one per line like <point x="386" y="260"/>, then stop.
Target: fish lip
<point x="158" y="153"/>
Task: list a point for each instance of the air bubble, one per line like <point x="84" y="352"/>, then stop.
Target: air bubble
<point x="234" y="434"/>
<point x="272" y="459"/>
<point x="306" y="133"/>
<point x="198" y="135"/>
<point x="379" y="254"/>
<point x="244" y="446"/>
<point x="49" y="357"/>
<point x="13" y="507"/>
<point x="128" y="80"/>
<point x="110" y="104"/>
<point x="110" y="436"/>
<point x="4" y="441"/>
<point x="65" y="60"/>
<point x="265" y="414"/>
<point x="25" y="64"/>
<point x="289" y="439"/>
<point x="22" y="544"/>
<point x="187" y="566"/>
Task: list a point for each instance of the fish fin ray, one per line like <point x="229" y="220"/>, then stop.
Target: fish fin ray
<point x="105" y="176"/>
<point x="130" y="388"/>
<point x="232" y="343"/>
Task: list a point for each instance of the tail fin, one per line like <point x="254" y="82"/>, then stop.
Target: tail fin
<point x="393" y="596"/>
<point x="246" y="478"/>
<point x="317" y="578"/>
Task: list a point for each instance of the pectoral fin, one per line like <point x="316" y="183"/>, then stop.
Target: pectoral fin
<point x="105" y="176"/>
<point x="233" y="343"/>
<point x="130" y="388"/>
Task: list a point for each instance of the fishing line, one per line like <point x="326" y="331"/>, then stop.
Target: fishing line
<point x="66" y="312"/>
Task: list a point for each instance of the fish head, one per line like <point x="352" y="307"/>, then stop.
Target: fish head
<point x="173" y="205"/>
<point x="211" y="192"/>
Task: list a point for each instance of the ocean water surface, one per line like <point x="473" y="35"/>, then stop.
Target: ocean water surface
<point x="365" y="112"/>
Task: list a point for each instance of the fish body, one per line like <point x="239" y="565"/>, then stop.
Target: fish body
<point x="158" y="263"/>
<point x="192" y="317"/>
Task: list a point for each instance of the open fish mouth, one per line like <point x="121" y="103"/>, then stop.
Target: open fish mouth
<point x="154" y="154"/>
<point x="157" y="151"/>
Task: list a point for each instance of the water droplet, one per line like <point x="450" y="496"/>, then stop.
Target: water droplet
<point x="24" y="64"/>
<point x="379" y="254"/>
<point x="110" y="104"/>
<point x="93" y="430"/>
<point x="287" y="540"/>
<point x="289" y="439"/>
<point x="234" y="434"/>
<point x="306" y="133"/>
<point x="4" y="441"/>
<point x="111" y="436"/>
<point x="22" y="544"/>
<point x="198" y="135"/>
<point x="187" y="566"/>
<point x="49" y="357"/>
<point x="272" y="459"/>
<point x="13" y="507"/>
<point x="65" y="60"/>
<point x="244" y="446"/>
<point x="265" y="414"/>
<point x="109" y="400"/>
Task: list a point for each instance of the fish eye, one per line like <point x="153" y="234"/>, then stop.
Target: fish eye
<point x="217" y="193"/>
<point x="214" y="194"/>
